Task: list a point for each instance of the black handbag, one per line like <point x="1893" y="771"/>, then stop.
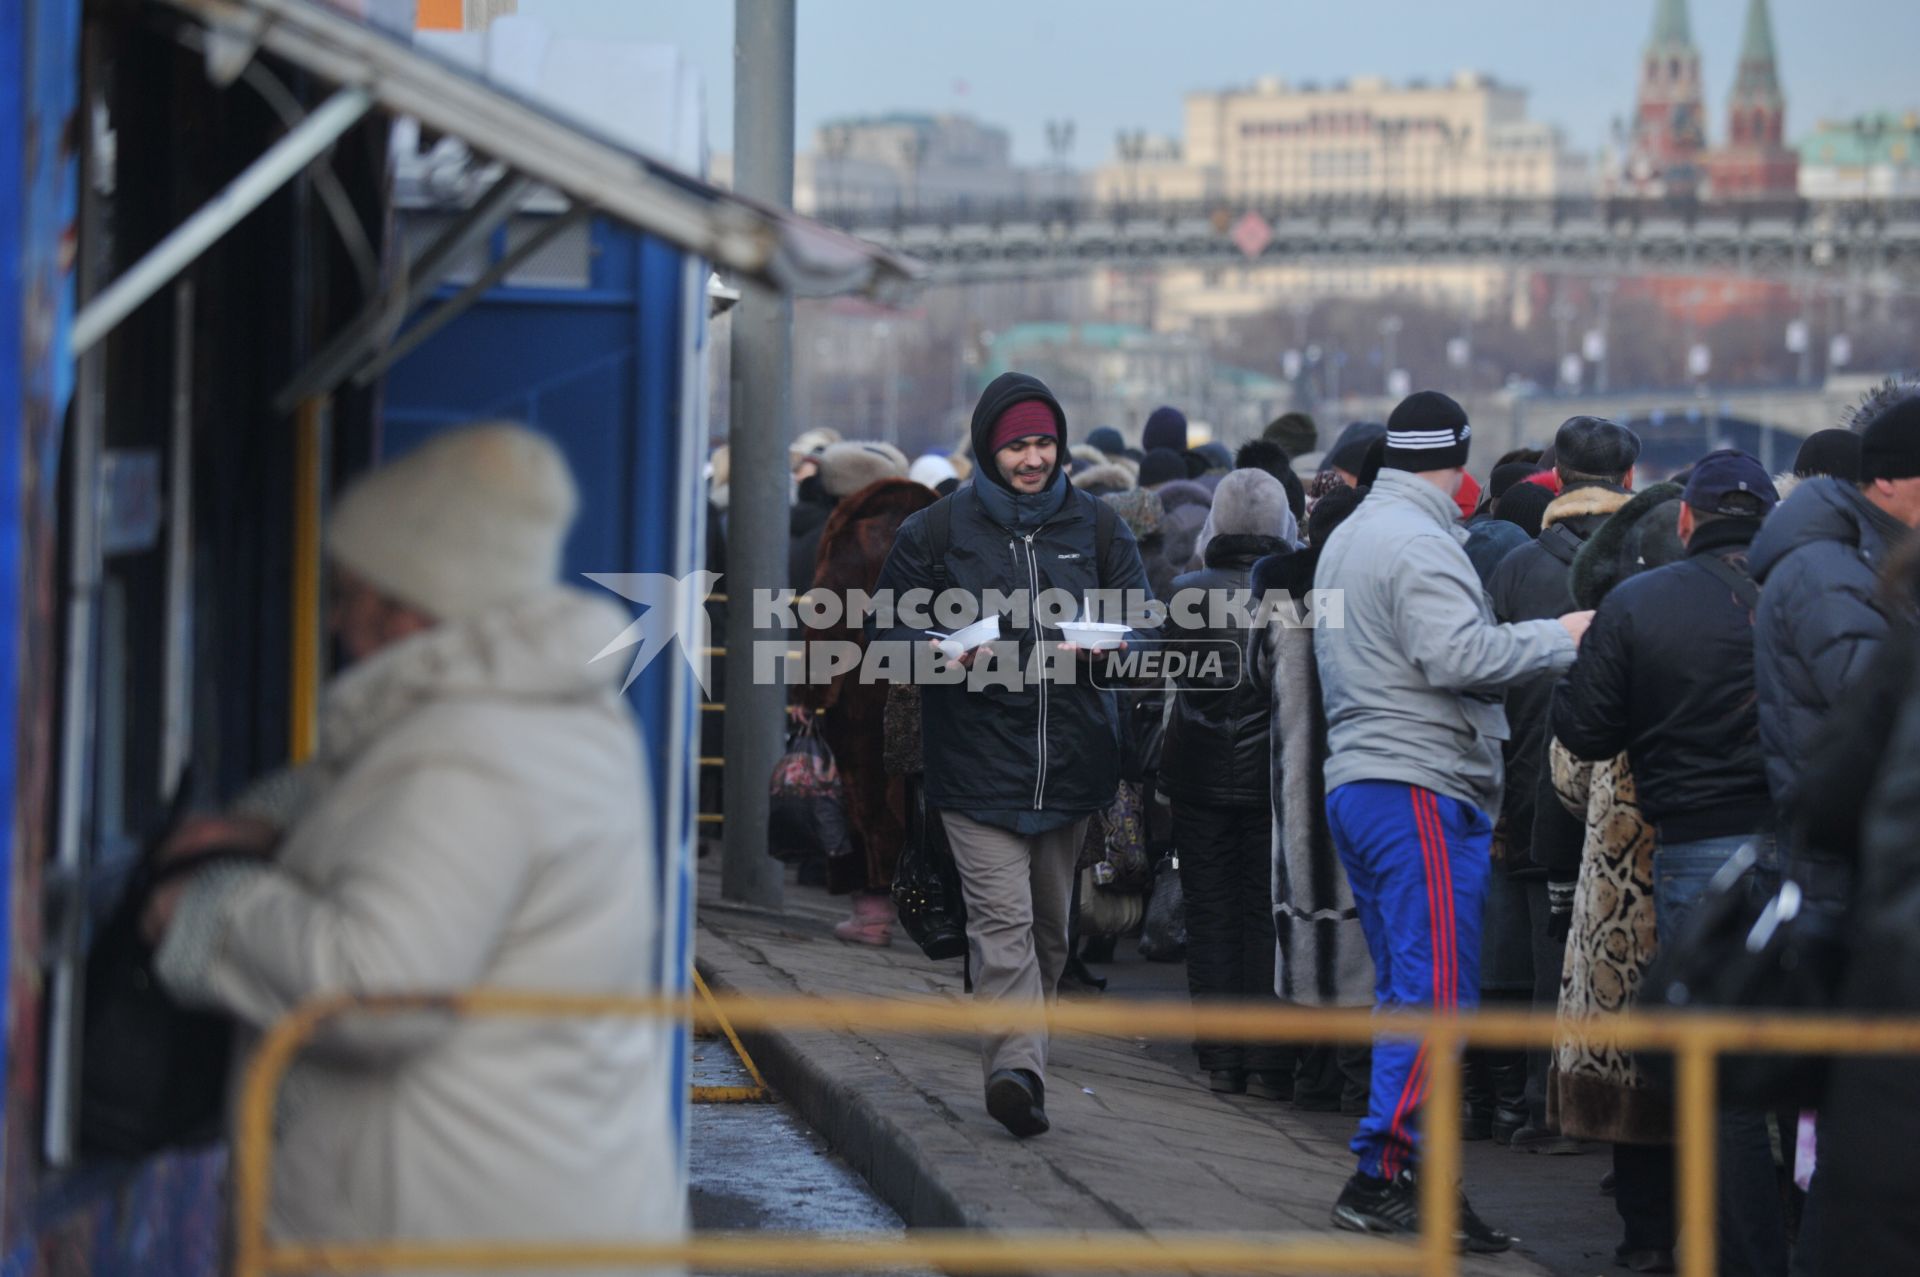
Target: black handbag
<point x="926" y="884"/>
<point x="1752" y="946"/>
<point x="153" y="1074"/>
<point x="1163" y="932"/>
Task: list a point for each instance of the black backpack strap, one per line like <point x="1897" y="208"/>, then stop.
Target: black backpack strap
<point x="1744" y="587"/>
<point x="1561" y="543"/>
<point x="939" y="537"/>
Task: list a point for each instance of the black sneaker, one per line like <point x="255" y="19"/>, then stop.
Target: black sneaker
<point x="1227" y="1081"/>
<point x="1369" y="1204"/>
<point x="1643" y="1261"/>
<point x="1017" y="1099"/>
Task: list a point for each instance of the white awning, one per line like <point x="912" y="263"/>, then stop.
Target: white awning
<point x="376" y="71"/>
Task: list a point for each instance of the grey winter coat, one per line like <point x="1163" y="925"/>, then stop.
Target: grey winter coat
<point x="1412" y="680"/>
<point x="1817" y="558"/>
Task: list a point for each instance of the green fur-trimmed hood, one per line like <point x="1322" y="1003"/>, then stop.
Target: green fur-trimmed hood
<point x="1601" y="563"/>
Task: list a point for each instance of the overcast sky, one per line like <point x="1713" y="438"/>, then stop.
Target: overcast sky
<point x="1122" y="64"/>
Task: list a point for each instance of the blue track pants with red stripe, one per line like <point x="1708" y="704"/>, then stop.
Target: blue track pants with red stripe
<point x="1418" y="864"/>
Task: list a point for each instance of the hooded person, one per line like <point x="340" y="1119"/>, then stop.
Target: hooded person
<point x="1166" y="428"/>
<point x="1216" y="769"/>
<point x="1016" y="763"/>
<point x="1162" y="465"/>
<point x="1320" y="949"/>
<point x="1818" y="558"/>
<point x="477" y="816"/>
<point x="1411" y="685"/>
<point x="1104" y="480"/>
<point x="1186" y="503"/>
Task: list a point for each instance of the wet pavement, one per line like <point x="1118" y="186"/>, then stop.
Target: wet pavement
<point x="758" y="1167"/>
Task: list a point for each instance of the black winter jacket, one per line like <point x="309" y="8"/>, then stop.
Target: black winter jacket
<point x="1530" y="584"/>
<point x="1820" y="621"/>
<point x="1216" y="749"/>
<point x="1666" y="673"/>
<point x="1040" y="746"/>
<point x="812" y="507"/>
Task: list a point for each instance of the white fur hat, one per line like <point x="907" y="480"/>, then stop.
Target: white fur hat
<point x="469" y="520"/>
<point x="932" y="470"/>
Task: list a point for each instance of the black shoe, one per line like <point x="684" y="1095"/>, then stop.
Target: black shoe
<point x="1643" y="1261"/>
<point x="1228" y="1081"/>
<point x="1076" y="979"/>
<point x="1270" y="1086"/>
<point x="1507" y="1125"/>
<point x="1017" y="1099"/>
<point x="1609" y="1184"/>
<point x="1476" y="1234"/>
<point x="1539" y="1139"/>
<point x="1371" y="1205"/>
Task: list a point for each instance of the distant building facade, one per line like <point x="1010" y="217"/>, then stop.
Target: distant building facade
<point x="1365" y="138"/>
<point x="1873" y="157"/>
<point x="910" y="161"/>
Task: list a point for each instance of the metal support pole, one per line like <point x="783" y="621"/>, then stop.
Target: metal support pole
<point x="1695" y="1111"/>
<point x="249" y="191"/>
<point x="760" y="428"/>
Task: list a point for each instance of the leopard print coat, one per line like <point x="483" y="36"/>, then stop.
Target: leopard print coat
<point x="1596" y="1091"/>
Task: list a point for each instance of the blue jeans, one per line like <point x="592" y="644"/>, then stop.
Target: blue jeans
<point x="1753" y="1239"/>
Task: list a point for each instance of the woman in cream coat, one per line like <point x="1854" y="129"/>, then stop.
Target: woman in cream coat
<point x="476" y="817"/>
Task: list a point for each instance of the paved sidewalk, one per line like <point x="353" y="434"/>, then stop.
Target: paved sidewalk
<point x="1138" y="1142"/>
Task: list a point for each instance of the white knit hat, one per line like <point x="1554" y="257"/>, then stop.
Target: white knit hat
<point x="469" y="520"/>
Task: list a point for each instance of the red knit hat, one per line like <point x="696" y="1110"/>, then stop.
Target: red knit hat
<point x="1023" y="420"/>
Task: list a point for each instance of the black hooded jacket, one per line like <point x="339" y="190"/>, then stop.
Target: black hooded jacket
<point x="1216" y="749"/>
<point x="1666" y="673"/>
<point x="1040" y="747"/>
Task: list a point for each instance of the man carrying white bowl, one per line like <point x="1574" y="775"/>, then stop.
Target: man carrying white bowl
<point x="1017" y="770"/>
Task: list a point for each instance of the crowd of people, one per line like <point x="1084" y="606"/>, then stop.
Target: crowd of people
<point x="1556" y="706"/>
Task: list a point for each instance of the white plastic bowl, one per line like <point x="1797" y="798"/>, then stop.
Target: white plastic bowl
<point x="960" y="642"/>
<point x="1094" y="636"/>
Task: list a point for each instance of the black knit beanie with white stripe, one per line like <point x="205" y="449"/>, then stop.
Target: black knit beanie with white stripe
<point x="1428" y="431"/>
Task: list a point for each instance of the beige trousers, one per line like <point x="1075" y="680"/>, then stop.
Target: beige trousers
<point x="1019" y="890"/>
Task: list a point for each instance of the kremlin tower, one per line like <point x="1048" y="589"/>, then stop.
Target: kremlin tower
<point x="1756" y="161"/>
<point x="1669" y="119"/>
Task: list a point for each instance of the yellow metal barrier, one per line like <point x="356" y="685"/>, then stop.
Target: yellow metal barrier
<point x="758" y="1093"/>
<point x="1697" y="1039"/>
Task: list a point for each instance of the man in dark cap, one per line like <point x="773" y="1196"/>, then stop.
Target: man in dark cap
<point x="1108" y="440"/>
<point x="1667" y="675"/>
<point x="1166" y="428"/>
<point x="1593" y="461"/>
<point x="1829" y="452"/>
<point x="1162" y="465"/>
<point x="1348" y="456"/>
<point x="1411" y="685"/>
<point x="1016" y="772"/>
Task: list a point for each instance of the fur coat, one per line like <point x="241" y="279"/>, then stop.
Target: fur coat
<point x="853" y="547"/>
<point x="1321" y="956"/>
<point x="1596" y="1091"/>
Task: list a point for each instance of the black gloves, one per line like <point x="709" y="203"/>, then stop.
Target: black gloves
<point x="1559" y="909"/>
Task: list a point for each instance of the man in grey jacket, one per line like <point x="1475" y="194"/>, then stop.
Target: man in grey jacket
<point x="1412" y="683"/>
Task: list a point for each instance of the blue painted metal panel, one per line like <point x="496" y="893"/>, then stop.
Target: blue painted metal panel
<point x="13" y="379"/>
<point x="604" y="372"/>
